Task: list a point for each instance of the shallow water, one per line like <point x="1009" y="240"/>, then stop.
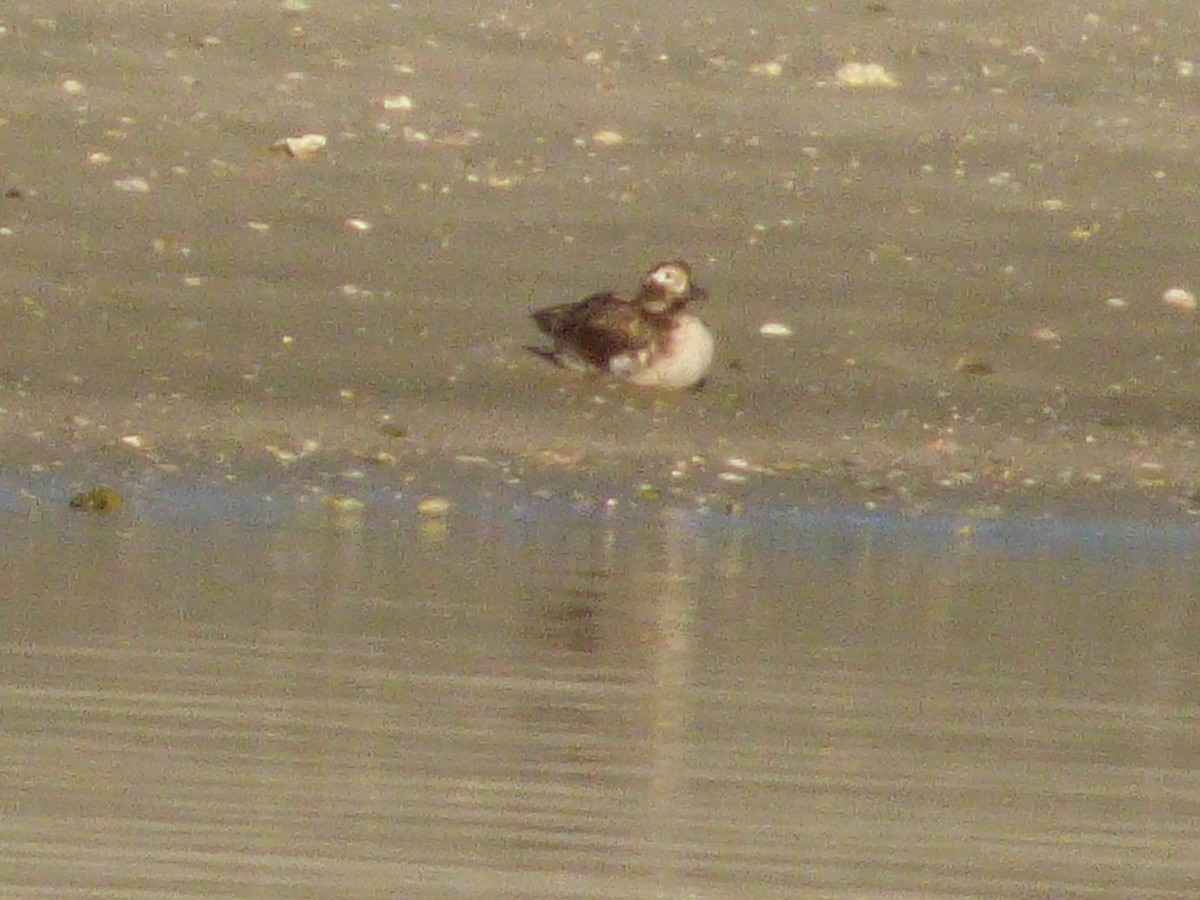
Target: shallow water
<point x="525" y="699"/>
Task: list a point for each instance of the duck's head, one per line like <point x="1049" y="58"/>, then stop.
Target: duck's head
<point x="669" y="286"/>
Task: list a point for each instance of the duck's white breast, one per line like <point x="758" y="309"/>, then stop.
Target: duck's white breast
<point x="685" y="359"/>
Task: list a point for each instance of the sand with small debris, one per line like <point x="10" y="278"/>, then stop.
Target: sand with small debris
<point x="884" y="265"/>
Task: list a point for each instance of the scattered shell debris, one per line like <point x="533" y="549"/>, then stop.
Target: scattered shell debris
<point x="281" y="455"/>
<point x="285" y="456"/>
<point x="771" y="69"/>
<point x="608" y="138"/>
<point x="499" y="182"/>
<point x="73" y="87"/>
<point x="101" y="499"/>
<point x="1180" y="298"/>
<point x="356" y="224"/>
<point x="134" y="184"/>
<point x="166" y="244"/>
<point x="472" y="459"/>
<point x="380" y="458"/>
<point x="344" y="504"/>
<point x="1046" y="335"/>
<point x="561" y="457"/>
<point x="864" y="75"/>
<point x="744" y="465"/>
<point x="1150" y="474"/>
<point x="399" y="102"/>
<point x="434" y="506"/>
<point x="775" y="329"/>
<point x="1116" y="303"/>
<point x="136" y="441"/>
<point x="301" y="147"/>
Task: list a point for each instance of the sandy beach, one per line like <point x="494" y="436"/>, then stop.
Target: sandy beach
<point x="971" y="263"/>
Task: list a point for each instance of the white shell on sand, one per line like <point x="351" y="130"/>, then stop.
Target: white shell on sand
<point x="134" y="184"/>
<point x="1180" y="298"/>
<point x="608" y="138"/>
<point x="434" y="506"/>
<point x="775" y="329"/>
<point x="401" y="102"/>
<point x="302" y="146"/>
<point x="865" y="75"/>
<point x="772" y="69"/>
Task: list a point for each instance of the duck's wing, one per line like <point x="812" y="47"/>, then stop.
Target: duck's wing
<point x="596" y="328"/>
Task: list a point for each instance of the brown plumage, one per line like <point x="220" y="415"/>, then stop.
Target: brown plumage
<point x="600" y="326"/>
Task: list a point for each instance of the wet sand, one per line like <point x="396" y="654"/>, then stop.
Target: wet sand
<point x="1028" y="169"/>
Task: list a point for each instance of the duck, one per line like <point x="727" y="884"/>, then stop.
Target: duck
<point x="651" y="339"/>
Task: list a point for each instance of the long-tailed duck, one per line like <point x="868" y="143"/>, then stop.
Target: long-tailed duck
<point x="650" y="340"/>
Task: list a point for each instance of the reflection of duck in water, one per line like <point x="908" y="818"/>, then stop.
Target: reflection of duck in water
<point x="650" y="340"/>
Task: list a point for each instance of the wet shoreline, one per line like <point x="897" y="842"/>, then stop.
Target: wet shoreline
<point x="324" y="489"/>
